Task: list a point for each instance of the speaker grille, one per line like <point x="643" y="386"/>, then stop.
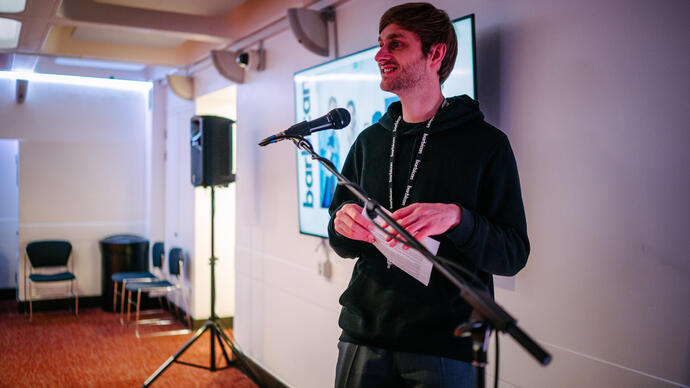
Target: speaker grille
<point x="211" y="151"/>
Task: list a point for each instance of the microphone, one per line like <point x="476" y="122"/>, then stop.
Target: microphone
<point x="336" y="119"/>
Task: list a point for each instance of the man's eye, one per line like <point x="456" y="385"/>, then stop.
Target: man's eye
<point x="394" y="44"/>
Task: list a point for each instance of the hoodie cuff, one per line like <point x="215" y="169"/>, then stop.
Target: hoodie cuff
<point x="461" y="234"/>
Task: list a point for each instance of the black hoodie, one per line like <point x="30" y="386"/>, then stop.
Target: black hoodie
<point x="466" y="161"/>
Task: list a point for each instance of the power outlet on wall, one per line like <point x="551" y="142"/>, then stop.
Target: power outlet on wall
<point x="325" y="269"/>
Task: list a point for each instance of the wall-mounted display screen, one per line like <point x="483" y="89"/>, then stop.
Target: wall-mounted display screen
<point x="352" y="82"/>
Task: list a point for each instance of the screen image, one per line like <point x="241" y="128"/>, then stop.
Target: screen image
<point x="352" y="82"/>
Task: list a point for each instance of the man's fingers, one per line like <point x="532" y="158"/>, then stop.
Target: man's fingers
<point x="352" y="230"/>
<point x="402" y="212"/>
<point x="412" y="227"/>
<point x="422" y="235"/>
<point x="355" y="212"/>
<point x="409" y="220"/>
<point x="418" y="230"/>
<point x="350" y="223"/>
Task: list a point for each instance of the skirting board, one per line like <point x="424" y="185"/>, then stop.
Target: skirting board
<point x="8" y="293"/>
<point x="269" y="381"/>
<point x="59" y="304"/>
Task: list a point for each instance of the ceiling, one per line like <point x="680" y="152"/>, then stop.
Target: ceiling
<point x="95" y="36"/>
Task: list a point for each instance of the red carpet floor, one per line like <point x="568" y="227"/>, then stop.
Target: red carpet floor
<point x="58" y="350"/>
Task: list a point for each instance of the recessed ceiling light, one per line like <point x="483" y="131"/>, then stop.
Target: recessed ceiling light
<point x="99" y="64"/>
<point x="12" y="6"/>
<point x="9" y="33"/>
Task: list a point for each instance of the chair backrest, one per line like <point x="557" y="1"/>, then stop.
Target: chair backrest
<point x="157" y="253"/>
<point x="48" y="253"/>
<point x="175" y="256"/>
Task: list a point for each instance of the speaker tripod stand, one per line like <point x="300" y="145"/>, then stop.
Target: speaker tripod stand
<point x="213" y="326"/>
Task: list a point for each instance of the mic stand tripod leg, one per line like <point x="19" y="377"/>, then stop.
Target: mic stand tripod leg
<point x="239" y="357"/>
<point x="173" y="358"/>
<point x="215" y="329"/>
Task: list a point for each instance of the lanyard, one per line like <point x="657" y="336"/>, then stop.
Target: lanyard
<point x="418" y="159"/>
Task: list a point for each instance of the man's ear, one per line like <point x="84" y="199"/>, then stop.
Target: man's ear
<point x="436" y="54"/>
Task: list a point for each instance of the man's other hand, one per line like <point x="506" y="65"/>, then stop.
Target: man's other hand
<point x="350" y="223"/>
<point x="426" y="219"/>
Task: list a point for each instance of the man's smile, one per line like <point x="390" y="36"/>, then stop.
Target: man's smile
<point x="387" y="68"/>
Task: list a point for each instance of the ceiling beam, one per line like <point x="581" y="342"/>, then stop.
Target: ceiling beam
<point x="120" y="16"/>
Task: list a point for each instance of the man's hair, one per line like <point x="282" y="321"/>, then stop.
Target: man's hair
<point x="431" y="25"/>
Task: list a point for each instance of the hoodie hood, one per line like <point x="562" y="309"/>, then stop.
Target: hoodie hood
<point x="459" y="111"/>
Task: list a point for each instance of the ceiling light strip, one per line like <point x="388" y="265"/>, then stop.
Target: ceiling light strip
<point x="77" y="80"/>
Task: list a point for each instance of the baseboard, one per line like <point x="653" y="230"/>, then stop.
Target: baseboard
<point x="226" y="322"/>
<point x="178" y="313"/>
<point x="267" y="379"/>
<point x="59" y="304"/>
<point x="8" y="293"/>
<point x="96" y="301"/>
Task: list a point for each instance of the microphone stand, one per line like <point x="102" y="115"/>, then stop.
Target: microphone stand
<point x="487" y="315"/>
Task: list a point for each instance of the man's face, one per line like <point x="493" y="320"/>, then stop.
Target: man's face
<point x="400" y="59"/>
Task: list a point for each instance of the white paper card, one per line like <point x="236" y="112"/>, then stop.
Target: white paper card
<point x="410" y="261"/>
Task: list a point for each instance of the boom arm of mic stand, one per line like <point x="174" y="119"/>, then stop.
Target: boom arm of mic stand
<point x="481" y="302"/>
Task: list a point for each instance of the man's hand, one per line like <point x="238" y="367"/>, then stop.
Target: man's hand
<point x="350" y="223"/>
<point x="426" y="219"/>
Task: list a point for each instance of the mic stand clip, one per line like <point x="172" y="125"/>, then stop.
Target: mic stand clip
<point x="479" y="330"/>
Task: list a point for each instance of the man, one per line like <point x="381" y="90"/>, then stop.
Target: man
<point x="463" y="190"/>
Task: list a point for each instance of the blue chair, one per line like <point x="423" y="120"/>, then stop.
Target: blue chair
<point x="157" y="253"/>
<point x="50" y="256"/>
<point x="176" y="260"/>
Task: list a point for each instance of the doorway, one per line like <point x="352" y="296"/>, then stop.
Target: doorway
<point x="9" y="214"/>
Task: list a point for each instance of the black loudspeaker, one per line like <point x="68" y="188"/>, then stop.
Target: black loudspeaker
<point x="211" y="142"/>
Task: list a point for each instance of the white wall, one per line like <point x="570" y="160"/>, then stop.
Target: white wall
<point x="9" y="212"/>
<point x="155" y="147"/>
<point x="594" y="98"/>
<point x="286" y="314"/>
<point x="81" y="168"/>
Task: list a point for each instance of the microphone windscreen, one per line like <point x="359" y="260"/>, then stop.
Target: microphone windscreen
<point x="339" y="117"/>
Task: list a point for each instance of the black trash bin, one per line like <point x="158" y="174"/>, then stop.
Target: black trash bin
<point x="121" y="253"/>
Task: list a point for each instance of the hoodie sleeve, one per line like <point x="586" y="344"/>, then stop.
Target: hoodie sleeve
<point x="342" y="245"/>
<point x="494" y="236"/>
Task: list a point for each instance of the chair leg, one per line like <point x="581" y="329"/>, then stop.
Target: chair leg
<point x="75" y="290"/>
<point x="122" y="303"/>
<point x="136" y="330"/>
<point x="31" y="307"/>
<point x="129" y="304"/>
<point x="177" y="306"/>
<point x="186" y="308"/>
<point x="26" y="279"/>
<point x="114" y="297"/>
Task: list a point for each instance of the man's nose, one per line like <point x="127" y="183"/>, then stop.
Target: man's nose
<point x="382" y="55"/>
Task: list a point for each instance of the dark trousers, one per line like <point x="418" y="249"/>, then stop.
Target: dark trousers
<point x="362" y="366"/>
